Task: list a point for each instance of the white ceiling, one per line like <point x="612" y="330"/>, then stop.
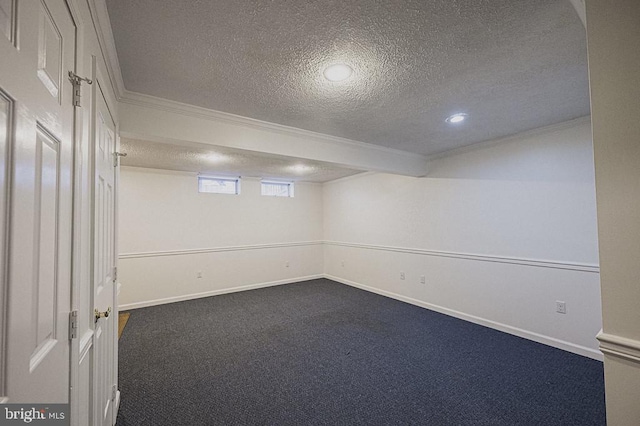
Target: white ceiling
<point x="224" y="161"/>
<point x="511" y="65"/>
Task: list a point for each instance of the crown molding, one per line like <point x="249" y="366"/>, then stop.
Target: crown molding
<point x="140" y="99"/>
<point x="100" y="16"/>
<point x="102" y="25"/>
<point x="352" y="177"/>
<point x="512" y="138"/>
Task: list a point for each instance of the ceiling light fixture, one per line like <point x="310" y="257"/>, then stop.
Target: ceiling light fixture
<point x="338" y="72"/>
<point x="300" y="168"/>
<point x="214" y="158"/>
<point x="456" y="118"/>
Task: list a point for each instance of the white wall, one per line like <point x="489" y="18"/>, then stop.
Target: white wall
<point x="500" y="232"/>
<point x="169" y="232"/>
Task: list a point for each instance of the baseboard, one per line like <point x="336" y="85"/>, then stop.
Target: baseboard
<point x="546" y="340"/>
<point x="181" y="298"/>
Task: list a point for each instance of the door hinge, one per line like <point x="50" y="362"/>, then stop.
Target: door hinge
<point x="115" y="274"/>
<point x="114" y="392"/>
<point x="116" y="158"/>
<point x="73" y="324"/>
<point x="76" y="81"/>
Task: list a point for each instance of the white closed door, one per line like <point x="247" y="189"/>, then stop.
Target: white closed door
<point x="37" y="50"/>
<point x="105" y="332"/>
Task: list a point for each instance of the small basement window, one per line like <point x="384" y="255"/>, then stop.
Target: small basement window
<point x="276" y="188"/>
<point x="219" y="185"/>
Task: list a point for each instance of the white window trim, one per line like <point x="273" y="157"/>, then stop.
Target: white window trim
<point x="236" y="180"/>
<point x="289" y="183"/>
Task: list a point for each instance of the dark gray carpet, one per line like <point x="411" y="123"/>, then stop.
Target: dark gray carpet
<point x="322" y="353"/>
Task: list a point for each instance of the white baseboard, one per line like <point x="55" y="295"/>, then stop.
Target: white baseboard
<point x="181" y="298"/>
<point x="546" y="340"/>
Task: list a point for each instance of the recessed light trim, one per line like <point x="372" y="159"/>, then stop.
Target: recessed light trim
<point x="456" y="118"/>
<point x="214" y="158"/>
<point x="301" y="168"/>
<point x="338" y="72"/>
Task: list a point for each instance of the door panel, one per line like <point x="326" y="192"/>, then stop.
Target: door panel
<point x="7" y="19"/>
<point x="38" y="155"/>
<point x="49" y="52"/>
<point x="45" y="284"/>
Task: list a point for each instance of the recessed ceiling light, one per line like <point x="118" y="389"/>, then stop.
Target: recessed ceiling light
<point x="456" y="118"/>
<point x="300" y="168"/>
<point x="338" y="72"/>
<point x="214" y="158"/>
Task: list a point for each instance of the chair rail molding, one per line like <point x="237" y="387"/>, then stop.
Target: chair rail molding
<point x="541" y="263"/>
<point x="621" y="347"/>
<point x="216" y="249"/>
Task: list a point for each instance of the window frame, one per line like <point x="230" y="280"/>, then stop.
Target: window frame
<point x="235" y="180"/>
<point x="289" y="183"/>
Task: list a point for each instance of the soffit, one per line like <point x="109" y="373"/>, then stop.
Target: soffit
<point x="224" y="161"/>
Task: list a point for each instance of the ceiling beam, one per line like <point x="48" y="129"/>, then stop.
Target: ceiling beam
<point x="160" y="120"/>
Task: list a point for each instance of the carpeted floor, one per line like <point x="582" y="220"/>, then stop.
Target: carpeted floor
<point x="322" y="353"/>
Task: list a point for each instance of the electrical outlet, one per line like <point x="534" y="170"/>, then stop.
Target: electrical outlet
<point x="286" y="264"/>
<point x="342" y="263"/>
<point x="199" y="274"/>
<point x="561" y="307"/>
<point x="423" y="279"/>
<point x="402" y="275"/>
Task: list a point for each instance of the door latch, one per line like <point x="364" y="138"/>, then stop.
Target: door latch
<point x="76" y="81"/>
<point x="104" y="314"/>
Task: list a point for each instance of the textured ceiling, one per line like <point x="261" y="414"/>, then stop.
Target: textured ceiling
<point x="226" y="161"/>
<point x="511" y="65"/>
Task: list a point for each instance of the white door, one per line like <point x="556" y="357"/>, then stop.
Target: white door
<point x="105" y="332"/>
<point x="37" y="50"/>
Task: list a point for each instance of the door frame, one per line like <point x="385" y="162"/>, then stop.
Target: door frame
<point x="79" y="344"/>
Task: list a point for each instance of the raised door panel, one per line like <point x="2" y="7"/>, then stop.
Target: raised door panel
<point x="8" y="19"/>
<point x="49" y="53"/>
<point x="45" y="282"/>
<point x="104" y="199"/>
